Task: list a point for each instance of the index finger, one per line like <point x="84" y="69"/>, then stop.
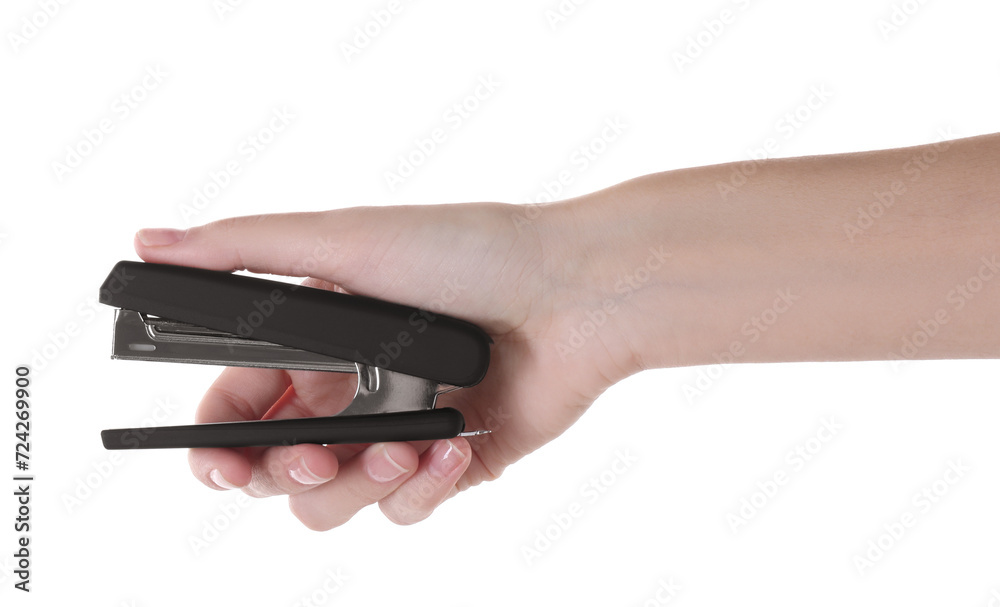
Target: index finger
<point x="242" y="394"/>
<point x="239" y="394"/>
<point x="289" y="244"/>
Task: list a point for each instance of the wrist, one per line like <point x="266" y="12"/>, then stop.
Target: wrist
<point x="611" y="272"/>
<point x="642" y="288"/>
<point x="682" y="274"/>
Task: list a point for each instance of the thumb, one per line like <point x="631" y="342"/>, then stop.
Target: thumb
<point x="288" y="244"/>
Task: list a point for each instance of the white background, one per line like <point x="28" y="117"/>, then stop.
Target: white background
<point x="664" y="518"/>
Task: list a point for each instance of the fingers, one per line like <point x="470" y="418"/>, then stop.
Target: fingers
<point x="239" y="394"/>
<point x="291" y="470"/>
<point x="315" y="394"/>
<point x="440" y="468"/>
<point x="220" y="469"/>
<point x="365" y="479"/>
<point x="242" y="394"/>
<point x="406" y="488"/>
<point x="276" y="471"/>
<point x="246" y="394"/>
<point x="290" y="244"/>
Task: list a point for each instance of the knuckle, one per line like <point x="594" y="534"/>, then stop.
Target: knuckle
<point x="277" y="472"/>
<point x="253" y="490"/>
<point x="362" y="494"/>
<point x="231" y="224"/>
<point x="307" y="518"/>
<point x="238" y="404"/>
<point x="401" y="513"/>
<point x="263" y="483"/>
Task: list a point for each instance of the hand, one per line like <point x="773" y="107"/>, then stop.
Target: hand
<point x="518" y="279"/>
<point x="659" y="271"/>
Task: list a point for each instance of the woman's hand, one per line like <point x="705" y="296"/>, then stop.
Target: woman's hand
<point x="518" y="278"/>
<point x="660" y="271"/>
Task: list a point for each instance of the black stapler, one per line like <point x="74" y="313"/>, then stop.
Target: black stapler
<point x="190" y="315"/>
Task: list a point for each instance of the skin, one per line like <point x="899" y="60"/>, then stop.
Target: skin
<point x="660" y="271"/>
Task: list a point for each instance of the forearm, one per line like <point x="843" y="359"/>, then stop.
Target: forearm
<point x="868" y="256"/>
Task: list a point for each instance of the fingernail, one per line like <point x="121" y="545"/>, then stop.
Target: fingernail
<point x="159" y="237"/>
<point x="383" y="468"/>
<point x="301" y="473"/>
<point x="220" y="480"/>
<point x="446" y="458"/>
